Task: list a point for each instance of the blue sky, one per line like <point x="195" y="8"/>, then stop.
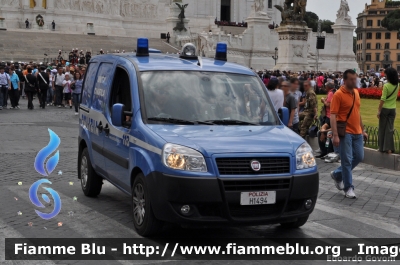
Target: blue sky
<point x="326" y="9"/>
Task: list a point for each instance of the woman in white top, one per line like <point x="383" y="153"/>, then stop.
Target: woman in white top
<point x="275" y="94"/>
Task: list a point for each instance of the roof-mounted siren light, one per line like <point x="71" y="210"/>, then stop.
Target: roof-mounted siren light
<point x="221" y="51"/>
<point x="142" y="47"/>
<point x="188" y="51"/>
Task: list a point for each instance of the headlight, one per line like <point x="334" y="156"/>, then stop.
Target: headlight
<point x="183" y="158"/>
<point x="304" y="157"/>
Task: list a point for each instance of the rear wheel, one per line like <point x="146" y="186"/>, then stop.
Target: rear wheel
<point x="300" y="222"/>
<point x="91" y="183"/>
<point x="144" y="220"/>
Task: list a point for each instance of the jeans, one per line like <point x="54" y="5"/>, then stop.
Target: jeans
<point x="59" y="95"/>
<point x="4" y="96"/>
<point x="14" y="97"/>
<point x="50" y="95"/>
<point x="76" y="99"/>
<point x="351" y="152"/>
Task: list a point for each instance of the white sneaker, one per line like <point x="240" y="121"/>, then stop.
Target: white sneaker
<point x="350" y="194"/>
<point x="338" y="184"/>
<point x="76" y="113"/>
<point x="317" y="151"/>
<point x="332" y="158"/>
<point x="18" y="107"/>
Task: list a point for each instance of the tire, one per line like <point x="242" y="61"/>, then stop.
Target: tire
<point x="144" y="220"/>
<point x="300" y="222"/>
<point x="91" y="183"/>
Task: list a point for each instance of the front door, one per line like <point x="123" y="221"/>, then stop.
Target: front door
<point x="117" y="144"/>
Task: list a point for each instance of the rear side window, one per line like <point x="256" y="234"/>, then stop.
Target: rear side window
<point x="90" y="77"/>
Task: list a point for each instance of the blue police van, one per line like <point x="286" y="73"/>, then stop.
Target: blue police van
<point x="193" y="141"/>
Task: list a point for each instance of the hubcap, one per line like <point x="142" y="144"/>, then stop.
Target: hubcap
<point x="138" y="204"/>
<point x="84" y="171"/>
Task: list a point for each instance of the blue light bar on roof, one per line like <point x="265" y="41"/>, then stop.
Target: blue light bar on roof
<point x="221" y="51"/>
<point x="142" y="47"/>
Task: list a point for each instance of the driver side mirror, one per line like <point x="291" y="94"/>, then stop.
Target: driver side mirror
<point x="117" y="115"/>
<point x="283" y="114"/>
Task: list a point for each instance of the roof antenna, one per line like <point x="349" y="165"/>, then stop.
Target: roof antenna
<point x="200" y="62"/>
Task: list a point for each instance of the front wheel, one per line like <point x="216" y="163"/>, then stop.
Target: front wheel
<point x="144" y="220"/>
<point x="300" y="222"/>
<point x="91" y="183"/>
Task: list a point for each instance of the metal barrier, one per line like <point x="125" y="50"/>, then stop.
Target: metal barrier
<point x="372" y="141"/>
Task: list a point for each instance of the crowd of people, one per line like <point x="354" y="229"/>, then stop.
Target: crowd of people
<point x="232" y="24"/>
<point x="303" y="87"/>
<point x="53" y="85"/>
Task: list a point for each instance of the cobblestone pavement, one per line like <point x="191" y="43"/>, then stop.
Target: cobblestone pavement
<point x="376" y="212"/>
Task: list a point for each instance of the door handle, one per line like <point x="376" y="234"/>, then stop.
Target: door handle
<point x="100" y="127"/>
<point x="107" y="130"/>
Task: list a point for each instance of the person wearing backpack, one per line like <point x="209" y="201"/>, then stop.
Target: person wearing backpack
<point x="43" y="84"/>
<point x="30" y="87"/>
<point x="387" y="112"/>
<point x="4" y="85"/>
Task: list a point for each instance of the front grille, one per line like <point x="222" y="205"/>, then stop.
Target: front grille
<point x="256" y="185"/>
<point x="242" y="166"/>
<point x="237" y="210"/>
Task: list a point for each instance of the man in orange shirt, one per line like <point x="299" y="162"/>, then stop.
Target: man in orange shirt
<point x="345" y="106"/>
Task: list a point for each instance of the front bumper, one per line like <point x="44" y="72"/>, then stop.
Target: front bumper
<point x="213" y="201"/>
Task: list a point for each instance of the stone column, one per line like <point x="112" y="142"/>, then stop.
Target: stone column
<point x="256" y="39"/>
<point x="292" y="49"/>
<point x="26" y="4"/>
<point x="50" y="4"/>
<point x="346" y="59"/>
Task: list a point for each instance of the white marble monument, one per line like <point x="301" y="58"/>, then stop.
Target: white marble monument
<point x="253" y="46"/>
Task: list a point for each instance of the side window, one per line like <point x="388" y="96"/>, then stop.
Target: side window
<point x="121" y="93"/>
<point x="89" y="82"/>
<point x="102" y="85"/>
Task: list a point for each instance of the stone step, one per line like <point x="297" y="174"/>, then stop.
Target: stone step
<point x="31" y="46"/>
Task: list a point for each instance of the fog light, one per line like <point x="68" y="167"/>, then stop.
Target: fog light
<point x="308" y="204"/>
<point x="185" y="209"/>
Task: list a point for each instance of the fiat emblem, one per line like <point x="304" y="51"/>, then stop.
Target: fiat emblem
<point x="255" y="165"/>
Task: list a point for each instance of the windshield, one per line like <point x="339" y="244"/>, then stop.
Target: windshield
<point x="205" y="98"/>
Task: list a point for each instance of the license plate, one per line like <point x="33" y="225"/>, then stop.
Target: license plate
<point x="257" y="197"/>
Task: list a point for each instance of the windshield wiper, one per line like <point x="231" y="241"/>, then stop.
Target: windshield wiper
<point x="179" y="121"/>
<point x="231" y="122"/>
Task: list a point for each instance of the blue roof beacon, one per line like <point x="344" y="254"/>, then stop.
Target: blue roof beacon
<point x="193" y="141"/>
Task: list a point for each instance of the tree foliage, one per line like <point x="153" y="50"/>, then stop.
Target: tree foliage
<point x="312" y="22"/>
<point x="392" y="20"/>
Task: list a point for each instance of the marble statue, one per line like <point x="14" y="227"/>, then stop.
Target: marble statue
<point x="343" y="13"/>
<point x="293" y="11"/>
<point x="259" y="7"/>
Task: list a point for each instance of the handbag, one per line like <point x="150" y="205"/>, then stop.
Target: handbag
<point x="392" y="92"/>
<point x="313" y="130"/>
<point x="341" y="125"/>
